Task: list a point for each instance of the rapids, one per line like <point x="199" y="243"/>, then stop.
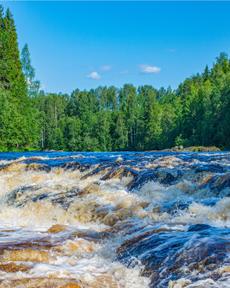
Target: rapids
<point x="119" y="220"/>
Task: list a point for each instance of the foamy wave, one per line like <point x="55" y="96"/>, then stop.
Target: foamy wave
<point x="106" y="223"/>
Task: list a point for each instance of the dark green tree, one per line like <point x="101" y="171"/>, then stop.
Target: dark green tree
<point x="23" y="126"/>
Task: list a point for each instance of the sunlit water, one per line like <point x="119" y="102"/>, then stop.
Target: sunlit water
<point x="129" y="220"/>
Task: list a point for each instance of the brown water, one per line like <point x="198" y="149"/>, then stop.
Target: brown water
<point x="114" y="220"/>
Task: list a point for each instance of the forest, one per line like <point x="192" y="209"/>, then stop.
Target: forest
<point x="108" y="118"/>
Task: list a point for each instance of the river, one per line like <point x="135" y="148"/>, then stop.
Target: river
<point x="116" y="220"/>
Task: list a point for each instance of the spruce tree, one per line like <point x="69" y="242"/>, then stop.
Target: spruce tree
<point x="15" y="77"/>
<point x="4" y="82"/>
<point x="22" y="129"/>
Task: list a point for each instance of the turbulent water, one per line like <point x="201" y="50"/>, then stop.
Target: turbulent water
<point x="127" y="220"/>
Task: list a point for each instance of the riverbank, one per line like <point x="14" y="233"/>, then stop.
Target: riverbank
<point x="173" y="149"/>
<point x="193" y="149"/>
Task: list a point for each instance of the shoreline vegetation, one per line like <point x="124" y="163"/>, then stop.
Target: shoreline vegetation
<point x="194" y="149"/>
<point x="195" y="115"/>
<point x="173" y="149"/>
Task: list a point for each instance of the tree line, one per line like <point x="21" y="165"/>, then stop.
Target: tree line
<point x="108" y="118"/>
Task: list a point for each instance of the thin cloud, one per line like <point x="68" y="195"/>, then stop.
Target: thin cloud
<point x="94" y="75"/>
<point x="148" y="69"/>
<point x="106" y="68"/>
<point x="124" y="72"/>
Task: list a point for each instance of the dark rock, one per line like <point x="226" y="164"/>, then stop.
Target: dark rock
<point x="213" y="168"/>
<point x="18" y="196"/>
<point x="161" y="175"/>
<point x="217" y="183"/>
<point x="38" y="167"/>
<point x="142" y="178"/>
<point x="119" y="172"/>
<point x="99" y="169"/>
<point x="75" y="166"/>
<point x="165" y="253"/>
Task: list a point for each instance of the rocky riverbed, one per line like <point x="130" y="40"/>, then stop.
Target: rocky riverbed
<point x="145" y="219"/>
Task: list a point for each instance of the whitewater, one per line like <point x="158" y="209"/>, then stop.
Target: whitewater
<point x="119" y="220"/>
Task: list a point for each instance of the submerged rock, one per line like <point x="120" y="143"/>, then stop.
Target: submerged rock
<point x="57" y="228"/>
<point x="181" y="283"/>
<point x="75" y="166"/>
<point x="162" y="176"/>
<point x="26" y="255"/>
<point x="218" y="183"/>
<point x="119" y="172"/>
<point x="90" y="223"/>
<point x="141" y="179"/>
<point x="19" y="197"/>
<point x="164" y="253"/>
<point x="40" y="282"/>
<point x="92" y="188"/>
<point x="38" y="167"/>
<point x="13" y="167"/>
<point x="11" y="267"/>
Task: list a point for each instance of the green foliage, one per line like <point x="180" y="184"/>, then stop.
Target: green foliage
<point x="29" y="72"/>
<point x="106" y="119"/>
<point x="18" y="119"/>
<point x="179" y="141"/>
<point x="120" y="133"/>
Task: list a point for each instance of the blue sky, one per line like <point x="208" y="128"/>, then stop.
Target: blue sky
<point x="87" y="44"/>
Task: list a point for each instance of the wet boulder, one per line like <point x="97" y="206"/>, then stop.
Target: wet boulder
<point x="13" y="167"/>
<point x="20" y="196"/>
<point x="120" y="171"/>
<point x="63" y="198"/>
<point x="173" y="207"/>
<point x="161" y="175"/>
<point x="23" y="195"/>
<point x="218" y="183"/>
<point x="99" y="169"/>
<point x="212" y="168"/>
<point x="200" y="249"/>
<point x="92" y="188"/>
<point x="168" y="176"/>
<point x="142" y="178"/>
<point x="38" y="167"/>
<point x="72" y="166"/>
